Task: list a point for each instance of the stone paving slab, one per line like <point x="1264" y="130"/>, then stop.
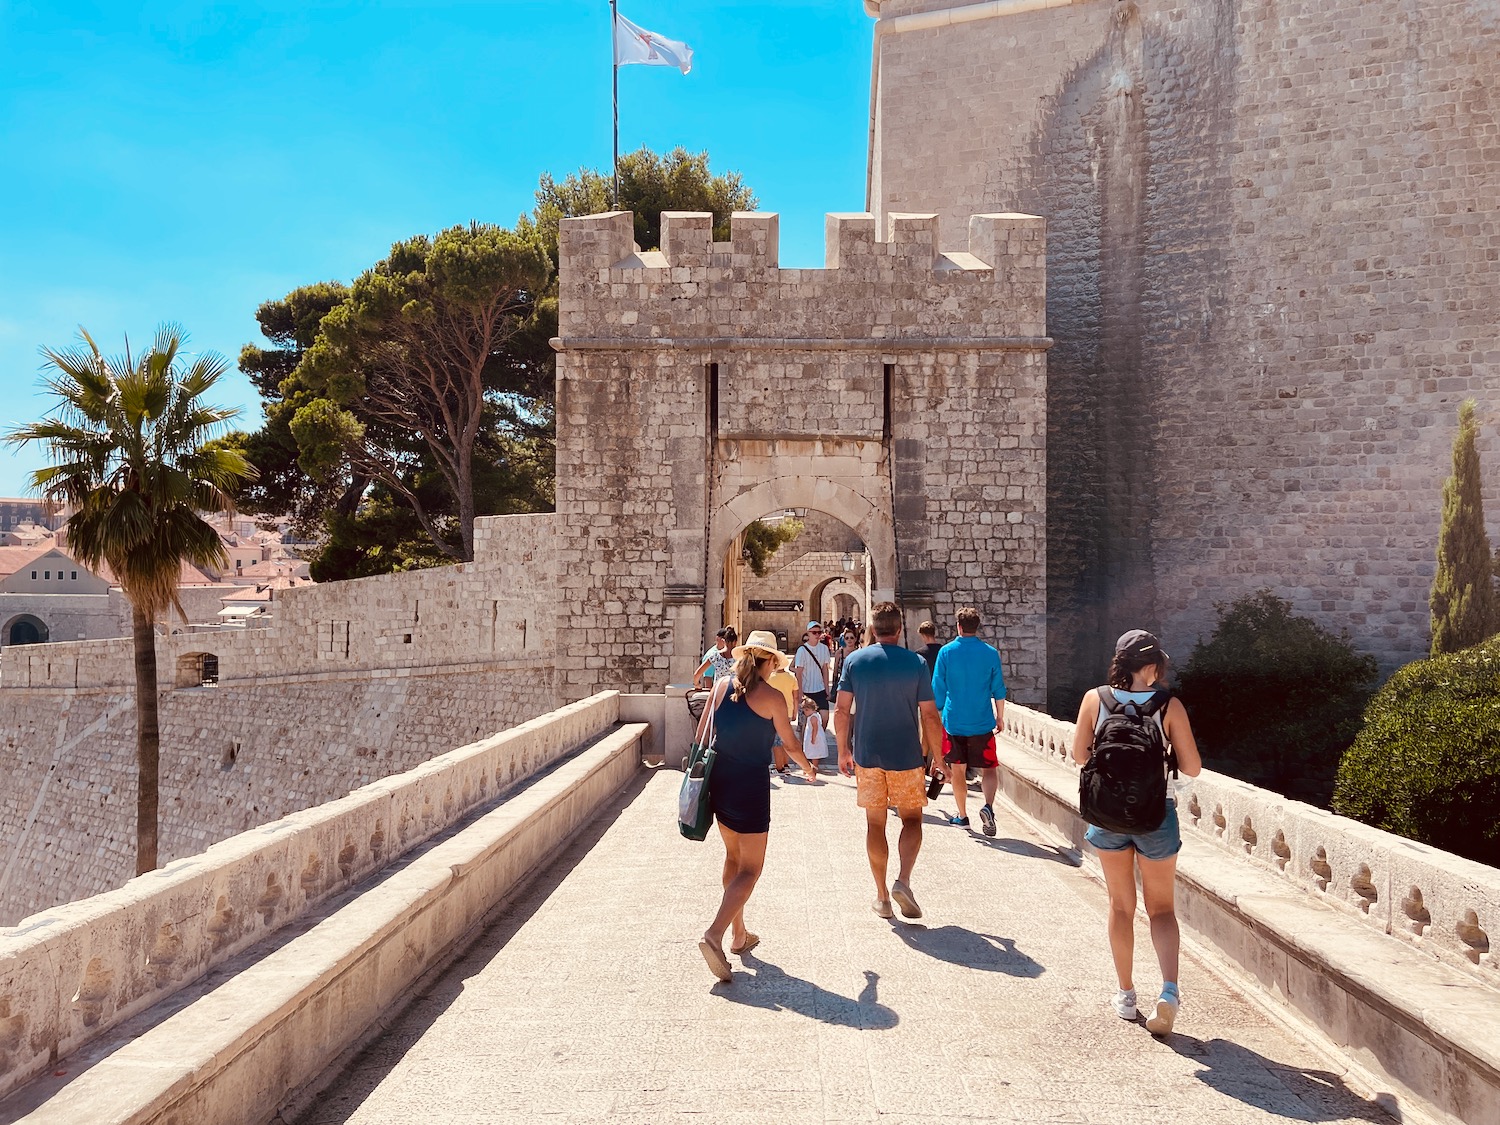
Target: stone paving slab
<point x="589" y="1000"/>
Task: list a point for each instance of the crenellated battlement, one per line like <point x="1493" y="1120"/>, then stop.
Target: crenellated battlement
<point x="606" y="241"/>
<point x="897" y="286"/>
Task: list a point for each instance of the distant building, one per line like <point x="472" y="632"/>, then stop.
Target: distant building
<point x="28" y="534"/>
<point x="46" y="595"/>
<point x="14" y="512"/>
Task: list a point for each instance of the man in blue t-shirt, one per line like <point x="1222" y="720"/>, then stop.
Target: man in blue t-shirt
<point x="968" y="684"/>
<point x="887" y="728"/>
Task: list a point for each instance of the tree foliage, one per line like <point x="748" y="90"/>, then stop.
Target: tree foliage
<point x="763" y="539"/>
<point x="381" y="473"/>
<point x="128" y="438"/>
<point x="1427" y="763"/>
<point x="650" y="183"/>
<point x="1274" y="698"/>
<point x="281" y="485"/>
<point x="1463" y="600"/>
<point x="410" y="367"/>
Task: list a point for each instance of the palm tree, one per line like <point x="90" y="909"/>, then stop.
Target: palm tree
<point x="127" y="440"/>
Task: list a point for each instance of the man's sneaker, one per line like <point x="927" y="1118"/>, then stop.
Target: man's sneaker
<point x="1124" y="1004"/>
<point x="882" y="906"/>
<point x="1166" y="1012"/>
<point x="904" y="899"/>
<point x="987" y="819"/>
<point x="959" y="821"/>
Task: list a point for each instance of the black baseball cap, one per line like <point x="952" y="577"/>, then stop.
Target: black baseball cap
<point x="1138" y="642"/>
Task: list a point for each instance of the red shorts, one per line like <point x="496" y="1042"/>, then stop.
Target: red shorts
<point x="975" y="751"/>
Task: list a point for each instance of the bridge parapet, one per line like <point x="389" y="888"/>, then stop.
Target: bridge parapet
<point x="1381" y="943"/>
<point x="1432" y="900"/>
<point x="70" y="973"/>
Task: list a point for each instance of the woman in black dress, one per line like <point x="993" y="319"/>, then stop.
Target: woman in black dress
<point x="748" y="713"/>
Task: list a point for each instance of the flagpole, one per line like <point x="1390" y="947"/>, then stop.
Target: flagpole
<point x="614" y="47"/>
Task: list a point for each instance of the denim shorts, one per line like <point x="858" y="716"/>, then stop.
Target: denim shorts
<point x="1164" y="843"/>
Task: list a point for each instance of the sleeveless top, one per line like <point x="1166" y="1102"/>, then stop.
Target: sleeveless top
<point x="741" y="736"/>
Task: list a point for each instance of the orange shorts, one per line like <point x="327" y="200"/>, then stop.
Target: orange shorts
<point x="880" y="789"/>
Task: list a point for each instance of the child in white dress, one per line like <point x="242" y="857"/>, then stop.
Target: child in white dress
<point x="814" y="745"/>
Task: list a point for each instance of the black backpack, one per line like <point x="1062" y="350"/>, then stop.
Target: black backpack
<point x="1123" y="785"/>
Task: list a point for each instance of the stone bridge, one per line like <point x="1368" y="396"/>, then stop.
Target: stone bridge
<point x="508" y="932"/>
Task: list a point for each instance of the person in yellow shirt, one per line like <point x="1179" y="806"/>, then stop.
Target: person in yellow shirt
<point x="786" y="683"/>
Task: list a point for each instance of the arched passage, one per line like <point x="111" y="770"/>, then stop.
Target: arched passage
<point x="871" y="521"/>
<point x="24" y="629"/>
<point x="841" y="595"/>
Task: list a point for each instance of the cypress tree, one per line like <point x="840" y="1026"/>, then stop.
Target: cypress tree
<point x="1463" y="592"/>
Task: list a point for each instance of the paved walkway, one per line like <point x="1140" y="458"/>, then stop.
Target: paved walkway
<point x="590" y="1002"/>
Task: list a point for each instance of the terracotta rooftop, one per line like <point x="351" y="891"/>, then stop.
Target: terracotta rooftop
<point x="13" y="559"/>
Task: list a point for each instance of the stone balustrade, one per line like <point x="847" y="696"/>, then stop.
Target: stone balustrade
<point x="1435" y="901"/>
<point x="70" y="973"/>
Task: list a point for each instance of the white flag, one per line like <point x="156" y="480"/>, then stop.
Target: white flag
<point x="637" y="45"/>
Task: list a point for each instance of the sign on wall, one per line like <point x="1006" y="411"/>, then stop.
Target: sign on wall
<point x="777" y="605"/>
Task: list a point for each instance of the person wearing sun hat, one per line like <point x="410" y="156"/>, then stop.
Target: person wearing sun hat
<point x="747" y="714"/>
<point x="1137" y="675"/>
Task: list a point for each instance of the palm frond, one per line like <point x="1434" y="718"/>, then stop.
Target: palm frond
<point x="126" y="438"/>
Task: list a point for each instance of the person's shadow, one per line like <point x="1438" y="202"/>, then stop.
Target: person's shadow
<point x="959" y="946"/>
<point x="1296" y="1093"/>
<point x="1028" y="850"/>
<point x="775" y="990"/>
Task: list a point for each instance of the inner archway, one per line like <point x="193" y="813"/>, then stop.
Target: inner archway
<point x="26" y="630"/>
<point x="793" y="566"/>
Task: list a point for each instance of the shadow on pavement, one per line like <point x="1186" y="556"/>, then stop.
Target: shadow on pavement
<point x="1293" y="1092"/>
<point x="1029" y="850"/>
<point x="959" y="946"/>
<point x="776" y="990"/>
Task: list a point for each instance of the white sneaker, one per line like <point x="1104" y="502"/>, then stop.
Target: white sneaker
<point x="1166" y="1013"/>
<point x="1124" y="1004"/>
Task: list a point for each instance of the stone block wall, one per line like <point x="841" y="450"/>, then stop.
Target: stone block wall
<point x="353" y="681"/>
<point x="798" y="577"/>
<point x="701" y="386"/>
<point x="1272" y="247"/>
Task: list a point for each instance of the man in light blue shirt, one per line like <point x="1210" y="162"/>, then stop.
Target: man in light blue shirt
<point x="968" y="686"/>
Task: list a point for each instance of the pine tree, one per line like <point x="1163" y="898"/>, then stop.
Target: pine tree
<point x="1463" y="592"/>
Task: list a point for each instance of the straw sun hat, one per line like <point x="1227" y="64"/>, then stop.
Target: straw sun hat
<point x="763" y="641"/>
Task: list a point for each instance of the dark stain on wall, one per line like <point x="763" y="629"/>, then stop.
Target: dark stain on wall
<point x="1128" y="165"/>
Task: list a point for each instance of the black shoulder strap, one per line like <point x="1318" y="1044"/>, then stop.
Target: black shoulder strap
<point x="1158" y="702"/>
<point x="1108" y="702"/>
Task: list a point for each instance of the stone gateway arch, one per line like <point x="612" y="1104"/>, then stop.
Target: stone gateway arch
<point x="900" y="390"/>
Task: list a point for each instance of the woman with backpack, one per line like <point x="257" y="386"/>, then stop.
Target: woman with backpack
<point x="1115" y="721"/>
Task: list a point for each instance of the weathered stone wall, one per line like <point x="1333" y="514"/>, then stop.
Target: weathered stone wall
<point x="499" y="607"/>
<point x="353" y="681"/>
<point x="693" y="397"/>
<point x="1272" y="274"/>
<point x="800" y="576"/>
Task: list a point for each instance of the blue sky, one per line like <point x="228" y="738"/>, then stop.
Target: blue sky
<point x="186" y="161"/>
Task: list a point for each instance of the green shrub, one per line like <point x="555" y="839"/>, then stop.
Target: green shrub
<point x="1427" y="763"/>
<point x="1274" y="698"/>
<point x="1463" y="588"/>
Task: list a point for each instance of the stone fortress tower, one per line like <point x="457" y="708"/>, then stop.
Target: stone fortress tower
<point x="699" y="387"/>
<point x="1273" y="257"/>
